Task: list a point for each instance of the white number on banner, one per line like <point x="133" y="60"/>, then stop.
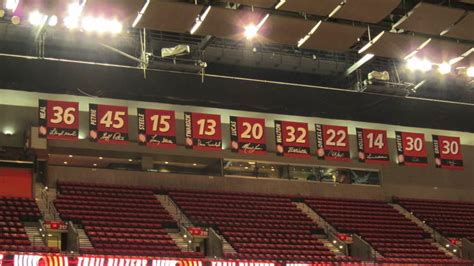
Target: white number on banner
<point x="450" y="147"/>
<point x="116" y="122"/>
<point x="61" y="115"/>
<point x="254" y="131"/>
<point x="378" y="141"/>
<point x="332" y="136"/>
<point x="207" y="127"/>
<point x="161" y="123"/>
<point x="292" y="132"/>
<point x="414" y="144"/>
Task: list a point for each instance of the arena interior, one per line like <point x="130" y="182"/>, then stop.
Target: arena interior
<point x="236" y="132"/>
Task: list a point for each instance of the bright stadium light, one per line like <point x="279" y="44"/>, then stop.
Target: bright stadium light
<point x="470" y="72"/>
<point x="444" y="68"/>
<point x="11" y="5"/>
<point x="36" y="18"/>
<point x="416" y="64"/>
<point x="53" y="21"/>
<point x="250" y="31"/>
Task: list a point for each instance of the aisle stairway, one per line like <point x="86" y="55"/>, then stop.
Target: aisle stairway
<point x="84" y="241"/>
<point x="34" y="235"/>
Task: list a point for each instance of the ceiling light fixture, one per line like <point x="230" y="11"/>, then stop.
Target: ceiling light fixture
<point x="359" y="63"/>
<point x="313" y="30"/>
<point x="12" y="5"/>
<point x="281" y="3"/>
<point x="251" y="30"/>
<point x="470" y="72"/>
<point x="444" y="68"/>
<point x="199" y="20"/>
<point x="141" y="13"/>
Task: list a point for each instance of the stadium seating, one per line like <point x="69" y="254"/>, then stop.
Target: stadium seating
<point x="453" y="219"/>
<point x="13" y="212"/>
<point x="262" y="227"/>
<point x="119" y="220"/>
<point x="391" y="234"/>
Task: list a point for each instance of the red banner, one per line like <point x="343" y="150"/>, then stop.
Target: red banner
<point x="447" y="152"/>
<point x="411" y="149"/>
<point x="58" y="120"/>
<point x="108" y="124"/>
<point x="372" y="145"/>
<point x="203" y="131"/>
<point x="332" y="143"/>
<point x="292" y="139"/>
<point x="247" y="135"/>
<point x="156" y="128"/>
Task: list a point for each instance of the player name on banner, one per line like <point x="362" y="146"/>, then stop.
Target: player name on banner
<point x="292" y="139"/>
<point x="203" y="131"/>
<point x="372" y="145"/>
<point x="447" y="152"/>
<point x="156" y="128"/>
<point x="247" y="135"/>
<point x="58" y="120"/>
<point x="411" y="149"/>
<point x="332" y="143"/>
<point x="108" y="124"/>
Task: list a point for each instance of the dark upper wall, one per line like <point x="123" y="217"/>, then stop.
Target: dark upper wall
<point x="166" y="87"/>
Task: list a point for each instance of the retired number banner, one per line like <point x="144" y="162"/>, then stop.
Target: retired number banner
<point x="332" y="143"/>
<point x="372" y="145"/>
<point x="411" y="149"/>
<point x="108" y="124"/>
<point x="203" y="131"/>
<point x="292" y="139"/>
<point x="247" y="135"/>
<point x="58" y="120"/>
<point x="156" y="128"/>
<point x="447" y="152"/>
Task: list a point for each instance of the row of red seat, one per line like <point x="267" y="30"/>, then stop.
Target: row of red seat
<point x="141" y="252"/>
<point x="387" y="230"/>
<point x="256" y="226"/>
<point x="451" y="218"/>
<point x="119" y="221"/>
<point x="287" y="257"/>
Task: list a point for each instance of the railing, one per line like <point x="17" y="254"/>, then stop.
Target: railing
<point x="467" y="248"/>
<point x="73" y="239"/>
<point x="362" y="250"/>
<point x="215" y="244"/>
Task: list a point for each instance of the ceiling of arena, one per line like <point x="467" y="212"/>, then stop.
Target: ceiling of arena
<point x="320" y="39"/>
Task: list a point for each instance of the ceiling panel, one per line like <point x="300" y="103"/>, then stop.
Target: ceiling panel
<point x="371" y="11"/>
<point x="441" y="51"/>
<point x="257" y="3"/>
<point x="320" y="7"/>
<point x="285" y="30"/>
<point x="170" y="16"/>
<point x="430" y="19"/>
<point x="394" y="45"/>
<point x="464" y="29"/>
<point x="123" y="10"/>
<point x="228" y="23"/>
<point x="334" y="37"/>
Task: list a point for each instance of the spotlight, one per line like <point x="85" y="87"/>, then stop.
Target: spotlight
<point x="470" y="72"/>
<point x="53" y="21"/>
<point x="444" y="68"/>
<point x="71" y="22"/>
<point x="12" y="4"/>
<point x="16" y="20"/>
<point x="36" y="18"/>
<point x="87" y="24"/>
<point x="74" y="10"/>
<point x="250" y="31"/>
<point x="415" y="64"/>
